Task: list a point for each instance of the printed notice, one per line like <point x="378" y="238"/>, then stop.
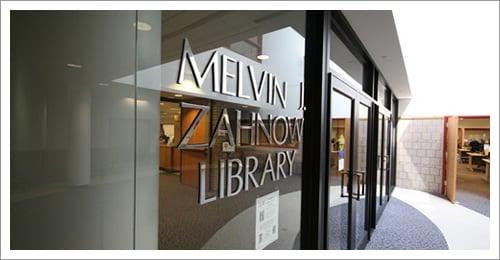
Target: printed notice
<point x="266" y="219"/>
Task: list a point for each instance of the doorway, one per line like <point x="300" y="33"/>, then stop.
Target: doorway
<point x="467" y="153"/>
<point x="349" y="139"/>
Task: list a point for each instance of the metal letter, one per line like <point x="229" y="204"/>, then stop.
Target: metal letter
<point x="270" y="94"/>
<point x="239" y="84"/>
<point x="201" y="188"/>
<point x="223" y="118"/>
<point x="285" y="129"/>
<point x="280" y="161"/>
<point x="183" y="144"/>
<point x="187" y="53"/>
<point x="260" y="125"/>
<point x="281" y="93"/>
<point x="249" y="173"/>
<point x="268" y="168"/>
<point x="225" y="75"/>
<point x="240" y="127"/>
<point x="290" y="158"/>
<point x="301" y="104"/>
<point x="257" y="91"/>
<point x="231" y="176"/>
<point x="222" y="172"/>
<point x="296" y="128"/>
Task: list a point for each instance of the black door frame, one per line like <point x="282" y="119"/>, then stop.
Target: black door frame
<point x="316" y="140"/>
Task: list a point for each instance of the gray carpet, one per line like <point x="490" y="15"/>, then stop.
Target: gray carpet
<point x="337" y="224"/>
<point x="472" y="191"/>
<point x="402" y="227"/>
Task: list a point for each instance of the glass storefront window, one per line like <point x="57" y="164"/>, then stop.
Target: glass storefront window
<point x="72" y="130"/>
<point x="231" y="120"/>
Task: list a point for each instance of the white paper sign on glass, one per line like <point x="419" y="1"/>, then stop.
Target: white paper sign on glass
<point x="266" y="219"/>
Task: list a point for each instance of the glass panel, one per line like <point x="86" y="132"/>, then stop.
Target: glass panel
<point x="385" y="160"/>
<point x="380" y="161"/>
<point x="359" y="175"/>
<point x="387" y="152"/>
<point x="381" y="91"/>
<point x="72" y="129"/>
<point x="344" y="64"/>
<point x="231" y="126"/>
<point x="338" y="212"/>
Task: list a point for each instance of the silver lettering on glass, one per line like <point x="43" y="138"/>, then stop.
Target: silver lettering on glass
<point x="187" y="53"/>
<point x="268" y="168"/>
<point x="296" y="128"/>
<point x="249" y="173"/>
<point x="270" y="95"/>
<point x="239" y="84"/>
<point x="234" y="176"/>
<point x="280" y="162"/>
<point x="261" y="126"/>
<point x="301" y="99"/>
<point x="202" y="199"/>
<point x="225" y="74"/>
<point x="222" y="173"/>
<point x="285" y="130"/>
<point x="240" y="128"/>
<point x="223" y="120"/>
<point x="281" y="93"/>
<point x="290" y="156"/>
<point x="256" y="89"/>
<point x="202" y="110"/>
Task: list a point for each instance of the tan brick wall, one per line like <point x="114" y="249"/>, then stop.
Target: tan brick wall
<point x="419" y="154"/>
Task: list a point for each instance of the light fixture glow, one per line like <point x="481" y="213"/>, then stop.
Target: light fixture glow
<point x="142" y="26"/>
<point x="263" y="57"/>
<point x="244" y="106"/>
<point x="103" y="84"/>
<point x="75" y="66"/>
<point x="161" y="103"/>
<point x="178" y="95"/>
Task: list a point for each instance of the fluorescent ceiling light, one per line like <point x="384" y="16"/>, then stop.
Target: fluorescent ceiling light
<point x="75" y="66"/>
<point x="142" y="26"/>
<point x="262" y="57"/>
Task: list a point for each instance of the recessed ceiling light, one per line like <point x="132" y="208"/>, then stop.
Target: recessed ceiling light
<point x="262" y="57"/>
<point x="72" y="65"/>
<point x="142" y="26"/>
<point x="178" y="95"/>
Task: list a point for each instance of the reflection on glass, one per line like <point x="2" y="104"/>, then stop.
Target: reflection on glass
<point x="381" y="91"/>
<point x="339" y="171"/>
<point x="72" y="126"/>
<point x="344" y="64"/>
<point x="359" y="174"/>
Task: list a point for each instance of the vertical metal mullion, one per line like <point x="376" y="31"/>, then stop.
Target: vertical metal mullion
<point x="316" y="159"/>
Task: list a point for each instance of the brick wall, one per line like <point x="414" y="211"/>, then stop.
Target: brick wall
<point x="419" y="154"/>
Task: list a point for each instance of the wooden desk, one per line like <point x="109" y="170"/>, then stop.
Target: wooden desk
<point x="487" y="175"/>
<point x="474" y="155"/>
<point x="463" y="153"/>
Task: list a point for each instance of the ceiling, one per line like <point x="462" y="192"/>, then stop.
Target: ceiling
<point x="377" y="31"/>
